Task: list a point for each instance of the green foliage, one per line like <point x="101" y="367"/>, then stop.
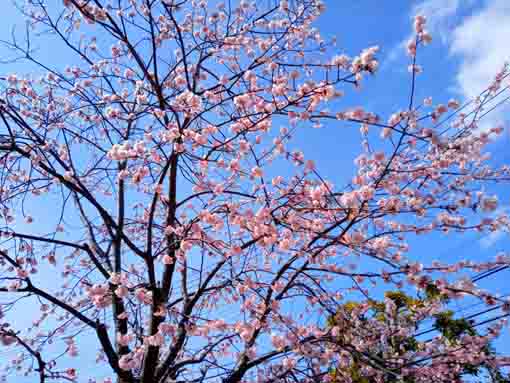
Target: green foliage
<point x="451" y="328"/>
<point x="432" y="292"/>
<point x="400" y="299"/>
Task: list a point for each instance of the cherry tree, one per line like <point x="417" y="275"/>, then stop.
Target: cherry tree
<point x="188" y="238"/>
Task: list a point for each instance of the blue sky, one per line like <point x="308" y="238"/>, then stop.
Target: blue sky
<point x="470" y="45"/>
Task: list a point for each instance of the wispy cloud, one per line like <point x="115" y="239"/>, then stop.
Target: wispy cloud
<point x="441" y="15"/>
<point x="491" y="239"/>
<point x="494" y="237"/>
<point x="477" y="34"/>
<point x="481" y="42"/>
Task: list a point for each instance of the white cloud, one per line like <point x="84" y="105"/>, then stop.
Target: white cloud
<point x="440" y="15"/>
<point x="491" y="239"/>
<point x="494" y="237"/>
<point x="479" y="40"/>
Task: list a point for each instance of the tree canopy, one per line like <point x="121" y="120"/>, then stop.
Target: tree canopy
<point x="156" y="215"/>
